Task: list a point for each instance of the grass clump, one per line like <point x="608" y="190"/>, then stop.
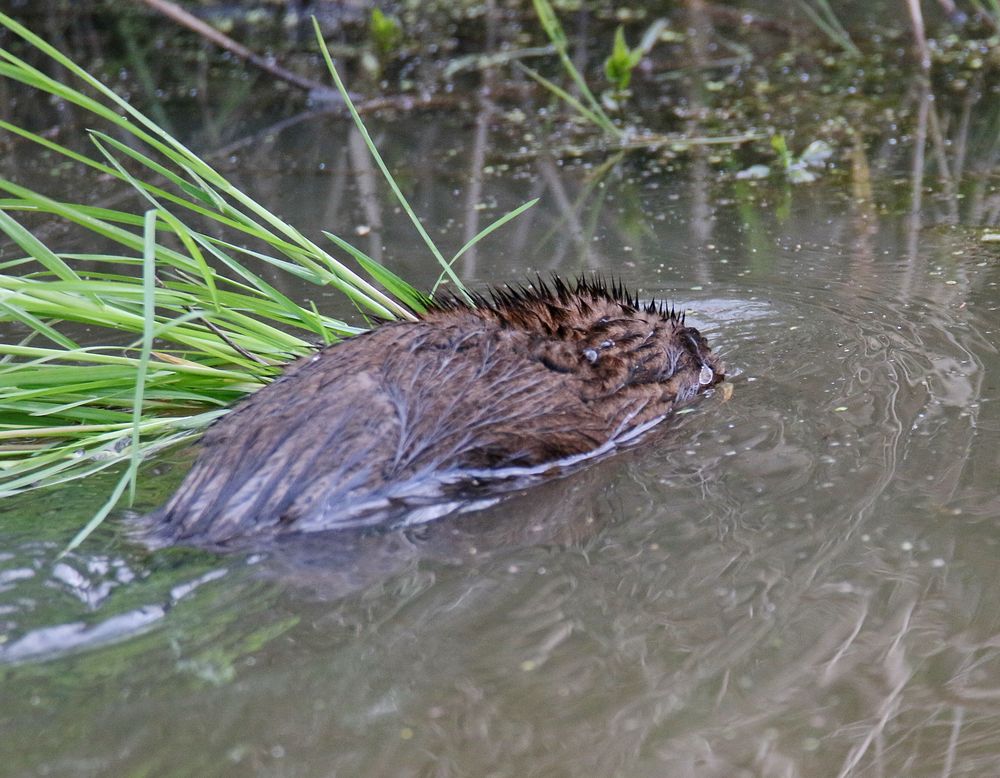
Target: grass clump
<point x="188" y="325"/>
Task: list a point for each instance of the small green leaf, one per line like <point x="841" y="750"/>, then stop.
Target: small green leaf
<point x="781" y="147"/>
<point x="619" y="66"/>
<point x="386" y="32"/>
<point x="550" y="23"/>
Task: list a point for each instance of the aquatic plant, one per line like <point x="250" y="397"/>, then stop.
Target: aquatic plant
<point x="618" y="69"/>
<point x="621" y="62"/>
<point x="592" y="111"/>
<point x="385" y="31"/>
<point x="187" y="324"/>
<point x="385" y="34"/>
<point x="801" y="169"/>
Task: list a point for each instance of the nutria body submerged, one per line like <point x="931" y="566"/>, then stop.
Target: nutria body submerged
<point x="404" y="423"/>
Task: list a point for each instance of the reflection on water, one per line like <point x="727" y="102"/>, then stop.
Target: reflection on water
<point x="799" y="580"/>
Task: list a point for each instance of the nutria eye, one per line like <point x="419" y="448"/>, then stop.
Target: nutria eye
<point x="607" y="343"/>
<point x="590" y="355"/>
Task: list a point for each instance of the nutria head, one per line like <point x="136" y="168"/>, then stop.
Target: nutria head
<point x="600" y="332"/>
<point x="416" y="419"/>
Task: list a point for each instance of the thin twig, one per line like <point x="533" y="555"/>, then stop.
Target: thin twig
<point x="230" y="342"/>
<point x="176" y="13"/>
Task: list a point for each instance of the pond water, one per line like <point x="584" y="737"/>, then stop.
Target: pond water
<point x="797" y="579"/>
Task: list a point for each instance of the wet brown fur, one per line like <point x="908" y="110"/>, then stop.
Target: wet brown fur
<point x="377" y="428"/>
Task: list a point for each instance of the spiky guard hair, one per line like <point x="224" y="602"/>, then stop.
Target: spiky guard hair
<point x="551" y="304"/>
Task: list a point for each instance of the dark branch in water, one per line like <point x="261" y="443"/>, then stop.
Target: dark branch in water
<point x="185" y="19"/>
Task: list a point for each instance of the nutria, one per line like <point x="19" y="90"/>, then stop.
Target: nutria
<point x="415" y="419"/>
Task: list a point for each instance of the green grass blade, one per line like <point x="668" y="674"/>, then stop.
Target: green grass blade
<point x="43" y="46"/>
<point x="550" y="23"/>
<point x="51" y="145"/>
<point x="494" y="226"/>
<point x="303" y="315"/>
<point x="566" y="97"/>
<point x="95" y="521"/>
<point x="199" y="193"/>
<point x="149" y="311"/>
<point x="411" y="296"/>
<point x="484" y="232"/>
<point x="827" y="22"/>
<point x="381" y="164"/>
<point x="33" y="246"/>
<point x="168" y="218"/>
<point x="187" y="238"/>
<point x="92" y="355"/>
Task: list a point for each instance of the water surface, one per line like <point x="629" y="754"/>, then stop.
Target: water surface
<point x="796" y="580"/>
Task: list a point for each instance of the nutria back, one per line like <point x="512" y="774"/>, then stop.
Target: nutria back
<point x="413" y="419"/>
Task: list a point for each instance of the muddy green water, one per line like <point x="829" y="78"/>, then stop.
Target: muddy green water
<point x="799" y="580"/>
